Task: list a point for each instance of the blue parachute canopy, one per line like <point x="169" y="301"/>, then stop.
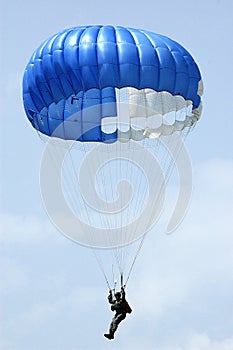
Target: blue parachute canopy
<point x="73" y="77"/>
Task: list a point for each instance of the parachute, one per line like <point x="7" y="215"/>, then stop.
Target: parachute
<point x="113" y="105"/>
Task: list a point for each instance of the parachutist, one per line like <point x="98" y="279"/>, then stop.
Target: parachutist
<point x="121" y="308"/>
<point x="160" y="86"/>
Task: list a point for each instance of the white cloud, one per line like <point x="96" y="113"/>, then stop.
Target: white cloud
<point x="24" y="230"/>
<point x="53" y="321"/>
<point x="180" y="289"/>
<point x="203" y="342"/>
<point x="187" y="276"/>
<point x="195" y="341"/>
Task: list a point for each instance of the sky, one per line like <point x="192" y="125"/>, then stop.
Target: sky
<point x="182" y="284"/>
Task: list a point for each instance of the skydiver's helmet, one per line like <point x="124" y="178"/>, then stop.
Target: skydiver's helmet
<point x="117" y="295"/>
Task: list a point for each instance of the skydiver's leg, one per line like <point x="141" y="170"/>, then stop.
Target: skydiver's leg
<point x="110" y="335"/>
<point x="115" y="322"/>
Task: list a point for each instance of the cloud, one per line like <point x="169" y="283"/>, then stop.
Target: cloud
<point x="180" y="289"/>
<point x="194" y="341"/>
<point x="185" y="280"/>
<point x="58" y="322"/>
<point x="24" y="230"/>
<point x="203" y="342"/>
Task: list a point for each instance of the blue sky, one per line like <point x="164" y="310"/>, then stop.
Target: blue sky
<point x="181" y="287"/>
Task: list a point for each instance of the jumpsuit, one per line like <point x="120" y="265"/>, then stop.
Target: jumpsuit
<point x="119" y="306"/>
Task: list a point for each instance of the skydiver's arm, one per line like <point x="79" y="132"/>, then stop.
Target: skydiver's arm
<point x="110" y="298"/>
<point x="123" y="293"/>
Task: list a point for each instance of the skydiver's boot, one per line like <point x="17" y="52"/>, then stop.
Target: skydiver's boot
<point x="109" y="336"/>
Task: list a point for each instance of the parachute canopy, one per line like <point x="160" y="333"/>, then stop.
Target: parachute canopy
<point x="102" y="86"/>
<point x="75" y="79"/>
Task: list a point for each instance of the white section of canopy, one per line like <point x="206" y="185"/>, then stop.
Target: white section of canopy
<point x="149" y="114"/>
